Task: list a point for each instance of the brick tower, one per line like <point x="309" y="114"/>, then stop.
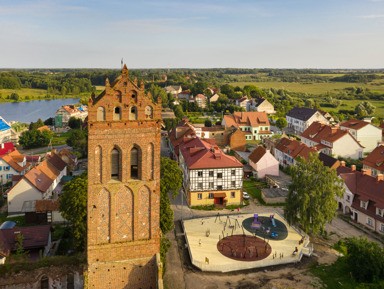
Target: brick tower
<point x="123" y="186"/>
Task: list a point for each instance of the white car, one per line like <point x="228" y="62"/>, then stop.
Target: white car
<point x="245" y="196"/>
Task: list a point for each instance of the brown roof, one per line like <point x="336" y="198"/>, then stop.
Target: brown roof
<point x="13" y="159"/>
<point x="294" y="148"/>
<point x="55" y="160"/>
<point x="251" y="118"/>
<point x="354" y="124"/>
<point x="38" y="179"/>
<point x="375" y="159"/>
<point x="329" y="161"/>
<point x="50" y="170"/>
<point x="47" y="205"/>
<point x="33" y="237"/>
<point x="71" y="109"/>
<point x="257" y="154"/>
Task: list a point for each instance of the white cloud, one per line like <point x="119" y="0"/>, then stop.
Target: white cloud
<point x="372" y="16"/>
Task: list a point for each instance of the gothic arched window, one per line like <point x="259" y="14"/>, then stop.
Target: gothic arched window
<point x="134" y="163"/>
<point x="117" y="113"/>
<point x="133" y="113"/>
<point x="100" y="113"/>
<point x="115" y="164"/>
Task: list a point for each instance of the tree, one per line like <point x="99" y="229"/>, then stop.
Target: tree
<point x="170" y="182"/>
<point x="365" y="108"/>
<point x="78" y="139"/>
<point x="365" y="258"/>
<point x="73" y="207"/>
<point x="74" y="123"/>
<point x="207" y="123"/>
<point x="14" y="96"/>
<point x="311" y="196"/>
<point x="36" y="125"/>
<point x="21" y="254"/>
<point x="179" y="111"/>
<point x="281" y="123"/>
<point x="34" y="138"/>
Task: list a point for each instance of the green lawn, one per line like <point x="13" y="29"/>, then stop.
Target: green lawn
<point x="29" y="94"/>
<point x="60" y="138"/>
<point x="20" y="221"/>
<point x="351" y="104"/>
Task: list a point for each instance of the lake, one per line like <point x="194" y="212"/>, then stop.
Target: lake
<point x="31" y="111"/>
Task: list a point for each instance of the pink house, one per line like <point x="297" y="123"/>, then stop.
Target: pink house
<point x="263" y="162"/>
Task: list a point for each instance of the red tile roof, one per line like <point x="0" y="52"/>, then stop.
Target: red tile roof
<point x="202" y="154"/>
<point x="354" y="124"/>
<point x="6" y="148"/>
<point x="375" y="159"/>
<point x="365" y="188"/>
<point x="294" y="148"/>
<point x="43" y="128"/>
<point x="71" y="109"/>
<point x="34" y="159"/>
<point x="200" y="96"/>
<point x="49" y="170"/>
<point x="317" y="132"/>
<point x="14" y="158"/>
<point x="251" y="118"/>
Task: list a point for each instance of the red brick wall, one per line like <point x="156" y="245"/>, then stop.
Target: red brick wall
<point x="123" y="214"/>
<point x="237" y="141"/>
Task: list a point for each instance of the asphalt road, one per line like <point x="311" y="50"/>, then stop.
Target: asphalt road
<point x="43" y="149"/>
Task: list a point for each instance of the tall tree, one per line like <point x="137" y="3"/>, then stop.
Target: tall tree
<point x="281" y="123"/>
<point x="365" y="108"/>
<point x="170" y="182"/>
<point x="73" y="207"/>
<point x="311" y="196"/>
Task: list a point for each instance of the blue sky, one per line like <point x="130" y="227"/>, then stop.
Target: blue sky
<point x="193" y="34"/>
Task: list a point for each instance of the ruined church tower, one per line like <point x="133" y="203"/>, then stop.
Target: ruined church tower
<point x="123" y="186"/>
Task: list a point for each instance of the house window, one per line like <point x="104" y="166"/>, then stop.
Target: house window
<point x="211" y="173"/>
<point x="211" y="185"/>
<point x="115" y="164"/>
<point x="219" y="188"/>
<point x="134" y="163"/>
<point x="233" y="172"/>
<point x="233" y="184"/>
<point x="199" y="174"/>
<point x="199" y="196"/>
<point x="219" y="175"/>
<point x="382" y="227"/>
<point x="363" y="204"/>
<point x="369" y="222"/>
<point x="233" y="194"/>
<point x="379" y="211"/>
<point x="200" y="185"/>
<point x="348" y="198"/>
<point x="210" y="196"/>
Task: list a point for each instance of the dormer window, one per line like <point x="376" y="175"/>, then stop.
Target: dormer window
<point x="363" y="204"/>
<point x="379" y="212"/>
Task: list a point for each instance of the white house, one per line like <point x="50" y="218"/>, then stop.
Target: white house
<point x="242" y="102"/>
<point x="332" y="140"/>
<point x="287" y="150"/>
<point x="300" y="118"/>
<point x="39" y="183"/>
<point x="7" y="133"/>
<point x="375" y="161"/>
<point x="214" y="98"/>
<point x="263" y="162"/>
<point x="12" y="164"/>
<point x="366" y="133"/>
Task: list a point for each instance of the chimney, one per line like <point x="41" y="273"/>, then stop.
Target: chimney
<point x="379" y="178"/>
<point x="342" y="163"/>
<point x="366" y="172"/>
<point x="353" y="168"/>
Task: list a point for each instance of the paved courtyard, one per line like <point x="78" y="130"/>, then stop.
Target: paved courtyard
<point x="203" y="234"/>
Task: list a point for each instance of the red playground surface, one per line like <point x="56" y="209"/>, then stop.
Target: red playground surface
<point x="244" y="248"/>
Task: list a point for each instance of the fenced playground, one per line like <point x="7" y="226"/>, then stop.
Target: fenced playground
<point x="225" y="243"/>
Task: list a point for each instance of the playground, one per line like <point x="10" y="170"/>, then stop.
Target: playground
<point x="225" y="243"/>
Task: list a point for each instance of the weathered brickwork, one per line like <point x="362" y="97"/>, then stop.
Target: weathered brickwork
<point x="123" y="186"/>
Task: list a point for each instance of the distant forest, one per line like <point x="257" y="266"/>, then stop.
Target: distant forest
<point x="74" y="81"/>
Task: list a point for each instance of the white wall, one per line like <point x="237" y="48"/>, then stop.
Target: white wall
<point x="21" y="192"/>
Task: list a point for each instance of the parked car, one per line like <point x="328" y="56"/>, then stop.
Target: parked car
<point x="245" y="196"/>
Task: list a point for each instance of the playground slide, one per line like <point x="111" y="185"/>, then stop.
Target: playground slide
<point x="273" y="222"/>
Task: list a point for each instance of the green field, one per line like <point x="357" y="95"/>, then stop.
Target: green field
<point x="312" y="88"/>
<point x="29" y="94"/>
